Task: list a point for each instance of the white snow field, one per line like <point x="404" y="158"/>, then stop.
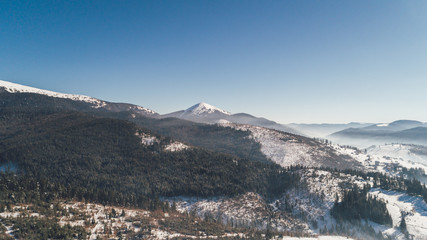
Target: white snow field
<point x="412" y="208"/>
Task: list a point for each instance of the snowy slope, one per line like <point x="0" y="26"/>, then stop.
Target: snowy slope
<point x="96" y="103"/>
<point x="202" y="109"/>
<point x="17" y="88"/>
<point x="247" y="210"/>
<point x="290" y="150"/>
<point x="388" y="159"/>
<point x="314" y="202"/>
<point x="412" y="208"/>
<point x="401" y="151"/>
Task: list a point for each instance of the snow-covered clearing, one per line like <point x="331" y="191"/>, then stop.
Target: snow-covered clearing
<point x="413" y="208"/>
<point x="289" y="150"/>
<point x="384" y="158"/>
<point x="245" y="210"/>
<point x="147" y="139"/>
<point x="176" y="146"/>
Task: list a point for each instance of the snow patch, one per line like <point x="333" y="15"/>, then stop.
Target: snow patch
<point x="176" y="146"/>
<point x="147" y="139"/>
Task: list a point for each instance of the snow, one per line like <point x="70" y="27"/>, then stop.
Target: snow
<point x="245" y="210"/>
<point x="382" y="158"/>
<point x="223" y="122"/>
<point x="383" y="125"/>
<point x="204" y="108"/>
<point x="147" y="139"/>
<point x="176" y="146"/>
<point x="413" y="208"/>
<point x="400" y="151"/>
<point x="316" y="198"/>
<point x="143" y="109"/>
<point x="17" y="88"/>
<point x="282" y="148"/>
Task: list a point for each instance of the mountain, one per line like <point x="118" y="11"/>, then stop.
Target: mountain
<point x="8" y="87"/>
<point x="401" y="131"/>
<point x="20" y="104"/>
<point x="206" y="113"/>
<point x="398" y="125"/>
<point x="201" y="112"/>
<point x="322" y="130"/>
<point x="67" y="162"/>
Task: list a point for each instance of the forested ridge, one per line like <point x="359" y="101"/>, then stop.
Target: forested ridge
<point x="96" y="158"/>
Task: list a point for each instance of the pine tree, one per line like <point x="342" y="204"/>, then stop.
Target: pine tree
<point x="402" y="225"/>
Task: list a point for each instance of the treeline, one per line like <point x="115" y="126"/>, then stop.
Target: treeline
<point x="380" y="180"/>
<point x="357" y="205"/>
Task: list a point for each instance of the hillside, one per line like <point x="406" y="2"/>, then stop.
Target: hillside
<point x="98" y="155"/>
<point x="288" y="149"/>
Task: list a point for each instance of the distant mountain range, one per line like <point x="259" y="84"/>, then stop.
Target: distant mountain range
<point x="322" y="130"/>
<point x="401" y="131"/>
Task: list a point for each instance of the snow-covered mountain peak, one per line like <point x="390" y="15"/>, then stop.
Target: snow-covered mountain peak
<point x="204" y="108"/>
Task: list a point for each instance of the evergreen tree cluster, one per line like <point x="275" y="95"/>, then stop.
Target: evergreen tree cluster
<point x="380" y="180"/>
<point x="356" y="205"/>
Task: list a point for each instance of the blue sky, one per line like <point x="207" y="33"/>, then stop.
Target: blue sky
<point x="289" y="61"/>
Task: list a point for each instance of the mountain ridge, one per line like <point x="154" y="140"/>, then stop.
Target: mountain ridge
<point x="206" y="113"/>
<point x="399" y="131"/>
<point x="94" y="102"/>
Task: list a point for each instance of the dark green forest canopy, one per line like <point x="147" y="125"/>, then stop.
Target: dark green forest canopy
<point x="18" y="107"/>
<point x="94" y="157"/>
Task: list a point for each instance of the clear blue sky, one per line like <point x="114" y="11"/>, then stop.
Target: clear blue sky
<point x="289" y="61"/>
